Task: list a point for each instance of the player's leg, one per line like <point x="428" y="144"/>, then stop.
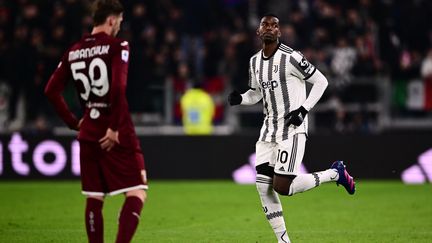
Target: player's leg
<point x="93" y="187"/>
<point x="264" y="183"/>
<point x="124" y="170"/>
<point x="287" y="180"/>
<point x="130" y="214"/>
<point x="94" y="219"/>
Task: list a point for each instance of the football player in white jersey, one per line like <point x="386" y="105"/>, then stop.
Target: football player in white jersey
<point x="277" y="75"/>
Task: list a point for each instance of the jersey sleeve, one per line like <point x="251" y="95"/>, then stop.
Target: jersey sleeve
<point x="251" y="97"/>
<point x="301" y="67"/>
<point x="253" y="82"/>
<point x="319" y="84"/>
<point x="54" y="90"/>
<point x="119" y="66"/>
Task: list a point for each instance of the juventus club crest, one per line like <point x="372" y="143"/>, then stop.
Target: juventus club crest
<point x="275" y="68"/>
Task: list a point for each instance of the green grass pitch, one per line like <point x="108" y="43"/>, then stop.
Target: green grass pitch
<point x="221" y="211"/>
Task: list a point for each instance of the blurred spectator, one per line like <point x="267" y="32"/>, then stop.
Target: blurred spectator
<point x="21" y="67"/>
<point x="181" y="82"/>
<point x="211" y="39"/>
<point x="289" y="37"/>
<point x="426" y="74"/>
<point x="342" y="61"/>
<point x="198" y="110"/>
<point x="408" y="89"/>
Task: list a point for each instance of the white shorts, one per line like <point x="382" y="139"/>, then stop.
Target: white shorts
<point x="285" y="156"/>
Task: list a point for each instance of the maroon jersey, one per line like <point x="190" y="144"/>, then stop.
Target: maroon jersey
<point x="98" y="66"/>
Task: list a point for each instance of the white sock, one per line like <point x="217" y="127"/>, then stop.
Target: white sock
<point x="272" y="207"/>
<point x="282" y="237"/>
<point x="328" y="175"/>
<point x="304" y="182"/>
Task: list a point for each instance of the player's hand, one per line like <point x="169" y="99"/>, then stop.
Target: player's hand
<point x="79" y="124"/>
<point x="109" y="140"/>
<point x="296" y="117"/>
<point x="234" y="98"/>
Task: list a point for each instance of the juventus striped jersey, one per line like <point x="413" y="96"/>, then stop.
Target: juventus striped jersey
<point x="279" y="80"/>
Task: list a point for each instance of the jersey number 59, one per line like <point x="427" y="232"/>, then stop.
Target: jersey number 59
<point x="98" y="86"/>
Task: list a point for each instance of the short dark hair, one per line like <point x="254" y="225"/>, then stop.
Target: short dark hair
<point x="104" y="8"/>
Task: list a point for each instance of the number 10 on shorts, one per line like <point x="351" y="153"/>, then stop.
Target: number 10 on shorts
<point x="282" y="156"/>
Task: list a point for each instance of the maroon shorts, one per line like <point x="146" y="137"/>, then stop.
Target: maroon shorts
<point x="110" y="173"/>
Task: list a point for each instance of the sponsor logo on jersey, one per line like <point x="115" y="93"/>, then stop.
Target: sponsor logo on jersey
<point x="272" y="84"/>
<point x="96" y="105"/>
<point x="94" y="113"/>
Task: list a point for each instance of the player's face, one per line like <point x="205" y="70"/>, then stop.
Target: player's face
<point x="116" y="24"/>
<point x="268" y="30"/>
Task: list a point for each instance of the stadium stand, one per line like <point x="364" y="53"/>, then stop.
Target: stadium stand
<point x="374" y="53"/>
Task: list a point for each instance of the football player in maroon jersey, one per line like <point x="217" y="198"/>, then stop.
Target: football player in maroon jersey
<point x="111" y="158"/>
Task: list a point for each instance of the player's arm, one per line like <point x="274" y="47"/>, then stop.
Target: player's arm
<point x="250" y="97"/>
<point x="54" y="90"/>
<point x="309" y="73"/>
<point x="319" y="84"/>
<point x="119" y="67"/>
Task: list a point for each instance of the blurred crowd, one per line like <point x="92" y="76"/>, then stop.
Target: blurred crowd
<point x="176" y="44"/>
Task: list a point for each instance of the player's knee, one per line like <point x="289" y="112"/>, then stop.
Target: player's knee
<point x="141" y="194"/>
<point x="282" y="184"/>
<point x="282" y="190"/>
